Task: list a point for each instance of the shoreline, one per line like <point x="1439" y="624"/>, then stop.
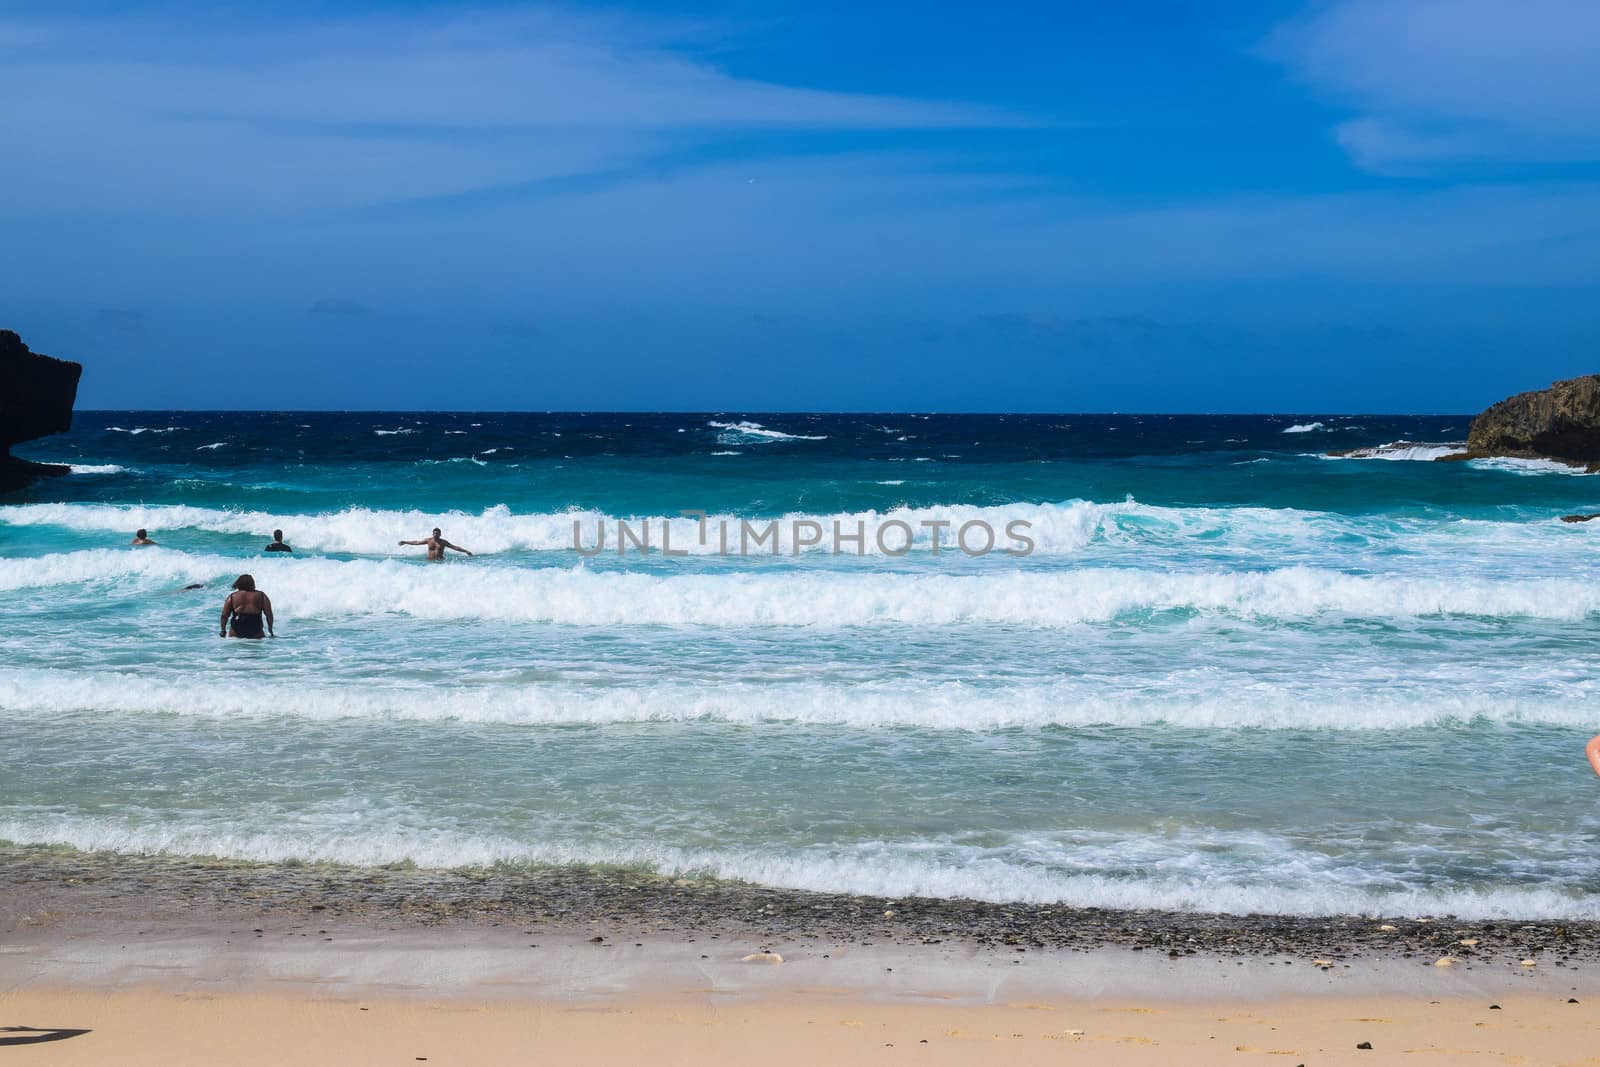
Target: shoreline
<point x="166" y="960"/>
<point x="47" y="894"/>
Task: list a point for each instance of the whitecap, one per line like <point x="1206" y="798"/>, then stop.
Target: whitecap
<point x="325" y="588"/>
<point x="1403" y="451"/>
<point x="1515" y="465"/>
<point x="744" y="432"/>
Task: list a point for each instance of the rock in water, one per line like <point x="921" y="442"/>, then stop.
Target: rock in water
<point x="1561" y="422"/>
<point x="36" y="398"/>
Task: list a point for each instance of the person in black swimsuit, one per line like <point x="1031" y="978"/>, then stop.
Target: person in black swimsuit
<point x="246" y="607"/>
<point x="277" y="543"/>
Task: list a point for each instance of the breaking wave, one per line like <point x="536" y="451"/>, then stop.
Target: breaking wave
<point x="1171" y="700"/>
<point x="748" y="433"/>
<point x="1197" y="869"/>
<point x="1048" y="599"/>
<point x="1420" y="451"/>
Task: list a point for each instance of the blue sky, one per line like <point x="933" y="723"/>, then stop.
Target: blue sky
<point x="1351" y="205"/>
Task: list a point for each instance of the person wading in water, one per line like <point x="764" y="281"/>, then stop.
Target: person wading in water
<point x="436" y="546"/>
<point x="246" y="606"/>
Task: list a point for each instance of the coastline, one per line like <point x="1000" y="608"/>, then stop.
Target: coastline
<point x="38" y="883"/>
<point x="161" y="958"/>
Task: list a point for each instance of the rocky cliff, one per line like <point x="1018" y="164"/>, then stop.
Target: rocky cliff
<point x="36" y="398"/>
<point x="1561" y="422"/>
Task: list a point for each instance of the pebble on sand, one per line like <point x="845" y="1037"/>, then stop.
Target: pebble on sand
<point x="1530" y="963"/>
<point x="1445" y="961"/>
<point x="1387" y="929"/>
<point x="762" y="957"/>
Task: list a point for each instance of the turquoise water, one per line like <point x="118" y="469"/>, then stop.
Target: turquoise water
<point x="1232" y="674"/>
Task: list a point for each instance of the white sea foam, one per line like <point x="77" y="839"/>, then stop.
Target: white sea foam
<point x="1427" y="452"/>
<point x="1199" y="869"/>
<point x="1173" y="700"/>
<point x="1062" y="529"/>
<point x="326" y="588"/>
<point x="1417" y="451"/>
<point x="1054" y="527"/>
<point x="1304" y="427"/>
<point x="1528" y="466"/>
<point x="145" y="429"/>
<point x="392" y="433"/>
<point x="212" y="447"/>
<point x="741" y="433"/>
<point x="98" y="468"/>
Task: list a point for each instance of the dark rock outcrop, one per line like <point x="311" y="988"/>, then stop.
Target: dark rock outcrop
<point x="1561" y="422"/>
<point x="36" y="398"/>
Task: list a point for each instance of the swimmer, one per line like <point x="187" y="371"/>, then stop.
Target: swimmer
<point x="140" y="538"/>
<point x="277" y="543"/>
<point x="246" y="606"/>
<point x="1593" y="752"/>
<point x="436" y="546"/>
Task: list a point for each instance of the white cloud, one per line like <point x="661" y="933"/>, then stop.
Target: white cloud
<point x="1437" y="81"/>
<point x="281" y="116"/>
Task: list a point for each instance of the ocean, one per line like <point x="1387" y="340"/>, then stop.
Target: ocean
<point x="1204" y="666"/>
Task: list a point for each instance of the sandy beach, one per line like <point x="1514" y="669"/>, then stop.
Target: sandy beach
<point x="142" y="1026"/>
<point x="160" y="960"/>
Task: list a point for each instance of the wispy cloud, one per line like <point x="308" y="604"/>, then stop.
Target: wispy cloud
<point x="288" y="114"/>
<point x="1442" y="81"/>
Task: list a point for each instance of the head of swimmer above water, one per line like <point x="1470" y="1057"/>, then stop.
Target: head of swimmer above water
<point x="245" y="583"/>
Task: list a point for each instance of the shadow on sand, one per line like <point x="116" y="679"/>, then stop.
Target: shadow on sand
<point x="34" y="1035"/>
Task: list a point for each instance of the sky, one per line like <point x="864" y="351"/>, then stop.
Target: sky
<point x="1349" y="205"/>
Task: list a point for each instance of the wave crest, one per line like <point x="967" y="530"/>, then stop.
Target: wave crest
<point x="1049" y="599"/>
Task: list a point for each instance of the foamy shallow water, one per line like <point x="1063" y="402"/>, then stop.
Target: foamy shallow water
<point x="1230" y="676"/>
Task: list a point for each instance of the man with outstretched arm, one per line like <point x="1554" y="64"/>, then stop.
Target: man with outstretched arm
<point x="436" y="546"/>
